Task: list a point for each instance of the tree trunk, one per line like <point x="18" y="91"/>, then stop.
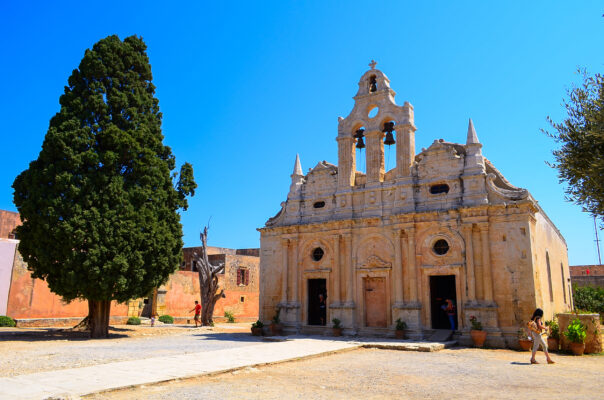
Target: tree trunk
<point x="208" y="281"/>
<point x="98" y="314"/>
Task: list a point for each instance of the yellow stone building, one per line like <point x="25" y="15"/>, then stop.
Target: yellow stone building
<point x="442" y="224"/>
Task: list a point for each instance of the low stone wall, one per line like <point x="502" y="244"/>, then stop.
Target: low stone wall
<point x="593" y="340"/>
<point x="62" y="322"/>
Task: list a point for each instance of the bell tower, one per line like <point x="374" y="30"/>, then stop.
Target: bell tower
<point x="377" y="121"/>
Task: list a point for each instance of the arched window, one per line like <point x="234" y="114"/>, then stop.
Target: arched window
<point x="549" y="277"/>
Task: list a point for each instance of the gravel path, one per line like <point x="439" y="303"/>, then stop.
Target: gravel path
<point x="383" y="374"/>
<point x="31" y="351"/>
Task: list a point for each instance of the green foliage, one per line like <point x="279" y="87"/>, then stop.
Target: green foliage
<point x="554" y="328"/>
<point x="99" y="204"/>
<point x="476" y="324"/>
<point x="166" y="319"/>
<point x="589" y="299"/>
<point x="276" y="319"/>
<point x="580" y="160"/>
<point x="521" y="334"/>
<point x="576" y="331"/>
<point x="337" y="324"/>
<point x="400" y="325"/>
<point x="258" y="324"/>
<point x="133" y="321"/>
<point x="229" y="316"/>
<point x="7" y="321"/>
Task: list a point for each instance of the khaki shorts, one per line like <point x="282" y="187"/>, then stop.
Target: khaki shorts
<point x="196" y="317"/>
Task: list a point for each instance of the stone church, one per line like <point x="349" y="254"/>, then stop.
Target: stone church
<point x="444" y="224"/>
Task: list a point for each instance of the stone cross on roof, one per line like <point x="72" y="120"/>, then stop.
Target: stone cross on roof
<point x="372" y="64"/>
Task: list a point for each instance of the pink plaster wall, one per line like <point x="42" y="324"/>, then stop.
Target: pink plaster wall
<point x="7" y="255"/>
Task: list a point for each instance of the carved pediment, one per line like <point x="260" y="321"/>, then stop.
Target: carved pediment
<point x="373" y="262"/>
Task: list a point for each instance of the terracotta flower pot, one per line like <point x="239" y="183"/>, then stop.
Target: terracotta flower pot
<point x="478" y="337"/>
<point x="553" y="344"/>
<point x="525" y="344"/>
<point x="337" y="331"/>
<point x="276" y="329"/>
<point x="400" y="334"/>
<point x="256" y="331"/>
<point x="577" y="348"/>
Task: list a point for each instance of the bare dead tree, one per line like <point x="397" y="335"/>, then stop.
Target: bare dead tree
<point x="208" y="281"/>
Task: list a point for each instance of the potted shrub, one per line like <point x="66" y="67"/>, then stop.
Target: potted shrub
<point x="575" y="333"/>
<point x="553" y="338"/>
<point x="337" y="327"/>
<point x="400" y="329"/>
<point x="478" y="335"/>
<point x="257" y="328"/>
<point x="276" y="327"/>
<point x="523" y="340"/>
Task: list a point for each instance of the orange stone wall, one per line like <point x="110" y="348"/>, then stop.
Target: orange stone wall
<point x="8" y="222"/>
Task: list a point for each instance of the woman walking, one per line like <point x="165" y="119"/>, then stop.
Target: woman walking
<point x="536" y="327"/>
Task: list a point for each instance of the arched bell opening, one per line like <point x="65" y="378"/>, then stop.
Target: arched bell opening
<point x="358" y="133"/>
<point x="388" y="128"/>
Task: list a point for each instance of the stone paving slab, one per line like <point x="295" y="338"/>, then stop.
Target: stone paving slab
<point x="102" y="377"/>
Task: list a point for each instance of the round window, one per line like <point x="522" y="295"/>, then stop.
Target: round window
<point x="317" y="254"/>
<point x="441" y="247"/>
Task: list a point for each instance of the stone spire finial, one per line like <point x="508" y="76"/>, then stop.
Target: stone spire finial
<point x="298" y="167"/>
<point x="372" y="64"/>
<point x="472" y="138"/>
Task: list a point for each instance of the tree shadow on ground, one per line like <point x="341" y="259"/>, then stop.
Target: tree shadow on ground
<point x="49" y="334"/>
<point x="520" y="363"/>
<point x="236" y="337"/>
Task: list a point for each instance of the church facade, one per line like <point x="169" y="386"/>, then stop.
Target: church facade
<point x="444" y="224"/>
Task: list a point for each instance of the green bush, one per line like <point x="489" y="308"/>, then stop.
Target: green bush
<point x="7" y="321"/>
<point x="554" y="329"/>
<point x="258" y="324"/>
<point x="400" y="325"/>
<point x="166" y="319"/>
<point x="337" y="324"/>
<point x="229" y="316"/>
<point x="133" y="321"/>
<point x="589" y="299"/>
<point x="575" y="331"/>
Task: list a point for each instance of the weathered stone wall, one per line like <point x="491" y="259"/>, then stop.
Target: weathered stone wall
<point x="549" y="248"/>
<point x="9" y="220"/>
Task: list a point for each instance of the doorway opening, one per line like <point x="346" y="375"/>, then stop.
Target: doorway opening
<point x="317" y="302"/>
<point x="442" y="288"/>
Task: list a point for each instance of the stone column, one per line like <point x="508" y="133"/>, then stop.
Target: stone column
<point x="295" y="278"/>
<point x="470" y="276"/>
<point x="346" y="161"/>
<point x="486" y="262"/>
<point x="375" y="156"/>
<point x="397" y="272"/>
<point x="336" y="270"/>
<point x="285" y="246"/>
<point x="405" y="149"/>
<point x="411" y="268"/>
<point x="349" y="270"/>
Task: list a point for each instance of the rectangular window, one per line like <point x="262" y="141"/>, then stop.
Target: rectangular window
<point x="243" y="276"/>
<point x="194" y="266"/>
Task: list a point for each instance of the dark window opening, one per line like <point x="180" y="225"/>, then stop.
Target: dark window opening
<point x="317" y="254"/>
<point x="319" y="204"/>
<point x="437" y="189"/>
<point x="372" y="84"/>
<point x="242" y="299"/>
<point x="563" y="285"/>
<point x="243" y="276"/>
<point x="441" y="247"/>
<point x="194" y="266"/>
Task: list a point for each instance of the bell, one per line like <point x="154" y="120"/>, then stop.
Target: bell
<point x="388" y="126"/>
<point x="389" y="140"/>
<point x="360" y="143"/>
<point x="359" y="133"/>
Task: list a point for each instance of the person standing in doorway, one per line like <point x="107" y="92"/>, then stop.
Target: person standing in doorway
<point x="197" y="310"/>
<point x="322" y="308"/>
<point x="449" y="309"/>
<point x="537" y="328"/>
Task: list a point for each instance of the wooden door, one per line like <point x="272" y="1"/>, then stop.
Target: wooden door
<point x="375" y="302"/>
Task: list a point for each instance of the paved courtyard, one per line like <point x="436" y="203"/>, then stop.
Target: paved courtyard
<point x="389" y="374"/>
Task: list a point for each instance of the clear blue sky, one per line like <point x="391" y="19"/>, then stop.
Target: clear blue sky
<point x="244" y="86"/>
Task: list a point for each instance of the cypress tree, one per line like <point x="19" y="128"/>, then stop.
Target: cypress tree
<point x="100" y="203"/>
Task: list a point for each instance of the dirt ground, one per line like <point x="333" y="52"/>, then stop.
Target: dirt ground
<point x="458" y="373"/>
